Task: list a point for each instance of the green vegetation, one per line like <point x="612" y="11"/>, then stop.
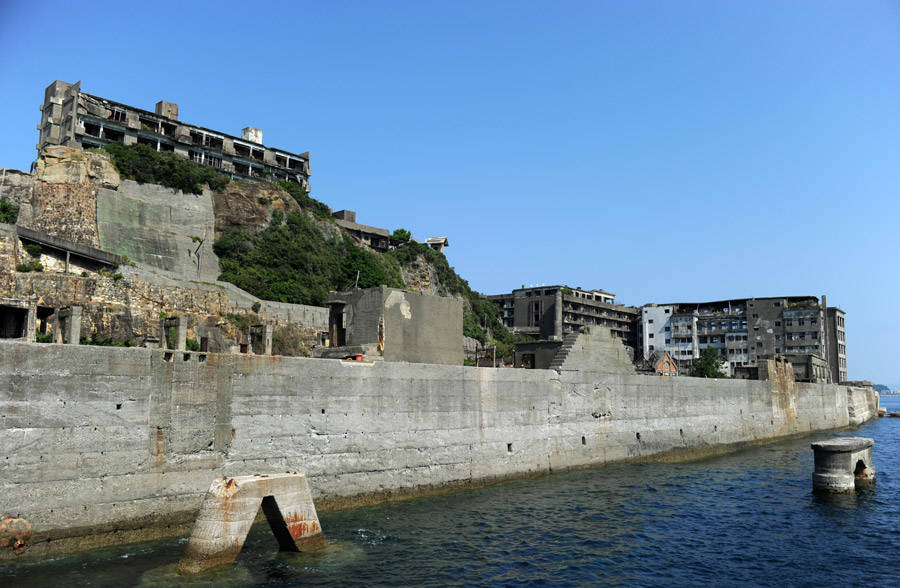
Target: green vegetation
<point x="292" y="261"/>
<point x="256" y="306"/>
<point x="566" y="291"/>
<point x="95" y="339"/>
<point x="288" y="340"/>
<point x="145" y="165"/>
<point x="192" y="344"/>
<point x="33" y="249"/>
<point x="43" y="338"/>
<point x="8" y="212"/>
<point x="242" y="321"/>
<point x="31" y="266"/>
<point x="302" y="197"/>
<point x="708" y="364"/>
<point x="401" y="236"/>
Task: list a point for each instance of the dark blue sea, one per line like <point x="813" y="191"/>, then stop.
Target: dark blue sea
<point x="745" y="518"/>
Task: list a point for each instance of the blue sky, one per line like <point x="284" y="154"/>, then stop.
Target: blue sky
<point x="664" y="151"/>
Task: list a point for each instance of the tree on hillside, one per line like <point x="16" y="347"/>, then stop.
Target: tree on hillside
<point x="708" y="364"/>
<point x="400" y="236"/>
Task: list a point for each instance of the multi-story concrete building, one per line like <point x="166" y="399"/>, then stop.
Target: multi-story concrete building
<point x="76" y="119"/>
<point x="549" y="312"/>
<point x="746" y="330"/>
<point x="836" y="340"/>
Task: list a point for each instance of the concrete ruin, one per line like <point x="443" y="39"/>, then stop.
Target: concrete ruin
<point x="843" y="464"/>
<point x="387" y="324"/>
<point x="228" y="512"/>
<point x="74" y="118"/>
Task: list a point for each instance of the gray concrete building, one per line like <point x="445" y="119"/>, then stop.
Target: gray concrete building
<point x="550" y="312"/>
<point x="836" y="334"/>
<point x="74" y="118"/>
<point x="746" y="330"/>
<point x="387" y="324"/>
<point x="374" y="237"/>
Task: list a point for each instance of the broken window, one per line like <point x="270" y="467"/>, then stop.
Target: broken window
<point x="196" y="138"/>
<point x="281" y="161"/>
<point x="166" y="147"/>
<point x="242" y="150"/>
<point x="213" y="161"/>
<point x="149" y="125"/>
<point x="12" y="322"/>
<point x="113" y="135"/>
<point x="257" y="154"/>
<point x="241" y="169"/>
<point x="117" y="114"/>
<point x="296" y="164"/>
<point x="91" y="129"/>
<point x="168" y="129"/>
<point x="146" y="141"/>
<point x="213" y="142"/>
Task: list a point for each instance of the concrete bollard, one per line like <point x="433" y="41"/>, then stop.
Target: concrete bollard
<point x="228" y="511"/>
<point x="843" y="464"/>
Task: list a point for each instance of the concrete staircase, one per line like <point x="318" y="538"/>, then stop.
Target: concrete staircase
<point x="563" y="352"/>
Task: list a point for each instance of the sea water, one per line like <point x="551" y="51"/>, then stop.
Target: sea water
<point x="744" y="518"/>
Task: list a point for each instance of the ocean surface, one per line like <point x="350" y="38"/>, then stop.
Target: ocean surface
<point x="745" y="518"/>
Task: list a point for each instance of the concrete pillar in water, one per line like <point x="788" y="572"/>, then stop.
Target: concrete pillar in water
<point x="843" y="464"/>
<point x="231" y="505"/>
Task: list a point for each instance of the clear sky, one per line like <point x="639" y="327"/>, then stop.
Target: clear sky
<point x="664" y="151"/>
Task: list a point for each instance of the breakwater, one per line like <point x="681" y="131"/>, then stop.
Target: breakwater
<point x="106" y="446"/>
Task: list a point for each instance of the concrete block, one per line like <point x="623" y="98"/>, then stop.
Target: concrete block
<point x="231" y="505"/>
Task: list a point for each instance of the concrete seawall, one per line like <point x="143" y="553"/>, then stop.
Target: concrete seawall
<point x="103" y="445"/>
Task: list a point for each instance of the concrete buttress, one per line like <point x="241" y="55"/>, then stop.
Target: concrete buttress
<point x="228" y="511"/>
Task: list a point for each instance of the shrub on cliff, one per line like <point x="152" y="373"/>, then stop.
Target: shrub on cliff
<point x="145" y="165"/>
<point x="292" y="261"/>
<point x="31" y="266"/>
<point x="306" y="202"/>
<point x="8" y="212"/>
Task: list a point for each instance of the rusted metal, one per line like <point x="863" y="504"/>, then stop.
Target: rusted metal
<point x="15" y="533"/>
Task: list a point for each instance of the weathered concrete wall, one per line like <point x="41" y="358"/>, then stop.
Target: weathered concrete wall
<point x="159" y="226"/>
<point x="107" y="445"/>
<point x="402" y="326"/>
<point x="420" y="328"/>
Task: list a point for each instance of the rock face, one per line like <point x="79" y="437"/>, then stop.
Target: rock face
<point x="420" y="276"/>
<point x="66" y="165"/>
<point x="16" y="187"/>
<point x="62" y="201"/>
<point x="249" y="206"/>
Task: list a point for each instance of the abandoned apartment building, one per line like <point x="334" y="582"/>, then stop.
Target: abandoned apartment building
<point x="550" y="312"/>
<point x="73" y="118"/>
<point x="801" y="329"/>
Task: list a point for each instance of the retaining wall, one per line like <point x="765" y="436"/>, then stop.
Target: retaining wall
<point x="106" y="445"/>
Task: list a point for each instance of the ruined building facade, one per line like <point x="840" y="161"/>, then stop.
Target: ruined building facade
<point x="746" y="331"/>
<point x="550" y="312"/>
<point x="73" y="118"/>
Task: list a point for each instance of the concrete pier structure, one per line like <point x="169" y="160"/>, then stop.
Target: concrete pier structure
<point x="231" y="505"/>
<point x="843" y="464"/>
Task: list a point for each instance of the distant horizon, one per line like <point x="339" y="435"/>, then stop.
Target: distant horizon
<point x="661" y="151"/>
